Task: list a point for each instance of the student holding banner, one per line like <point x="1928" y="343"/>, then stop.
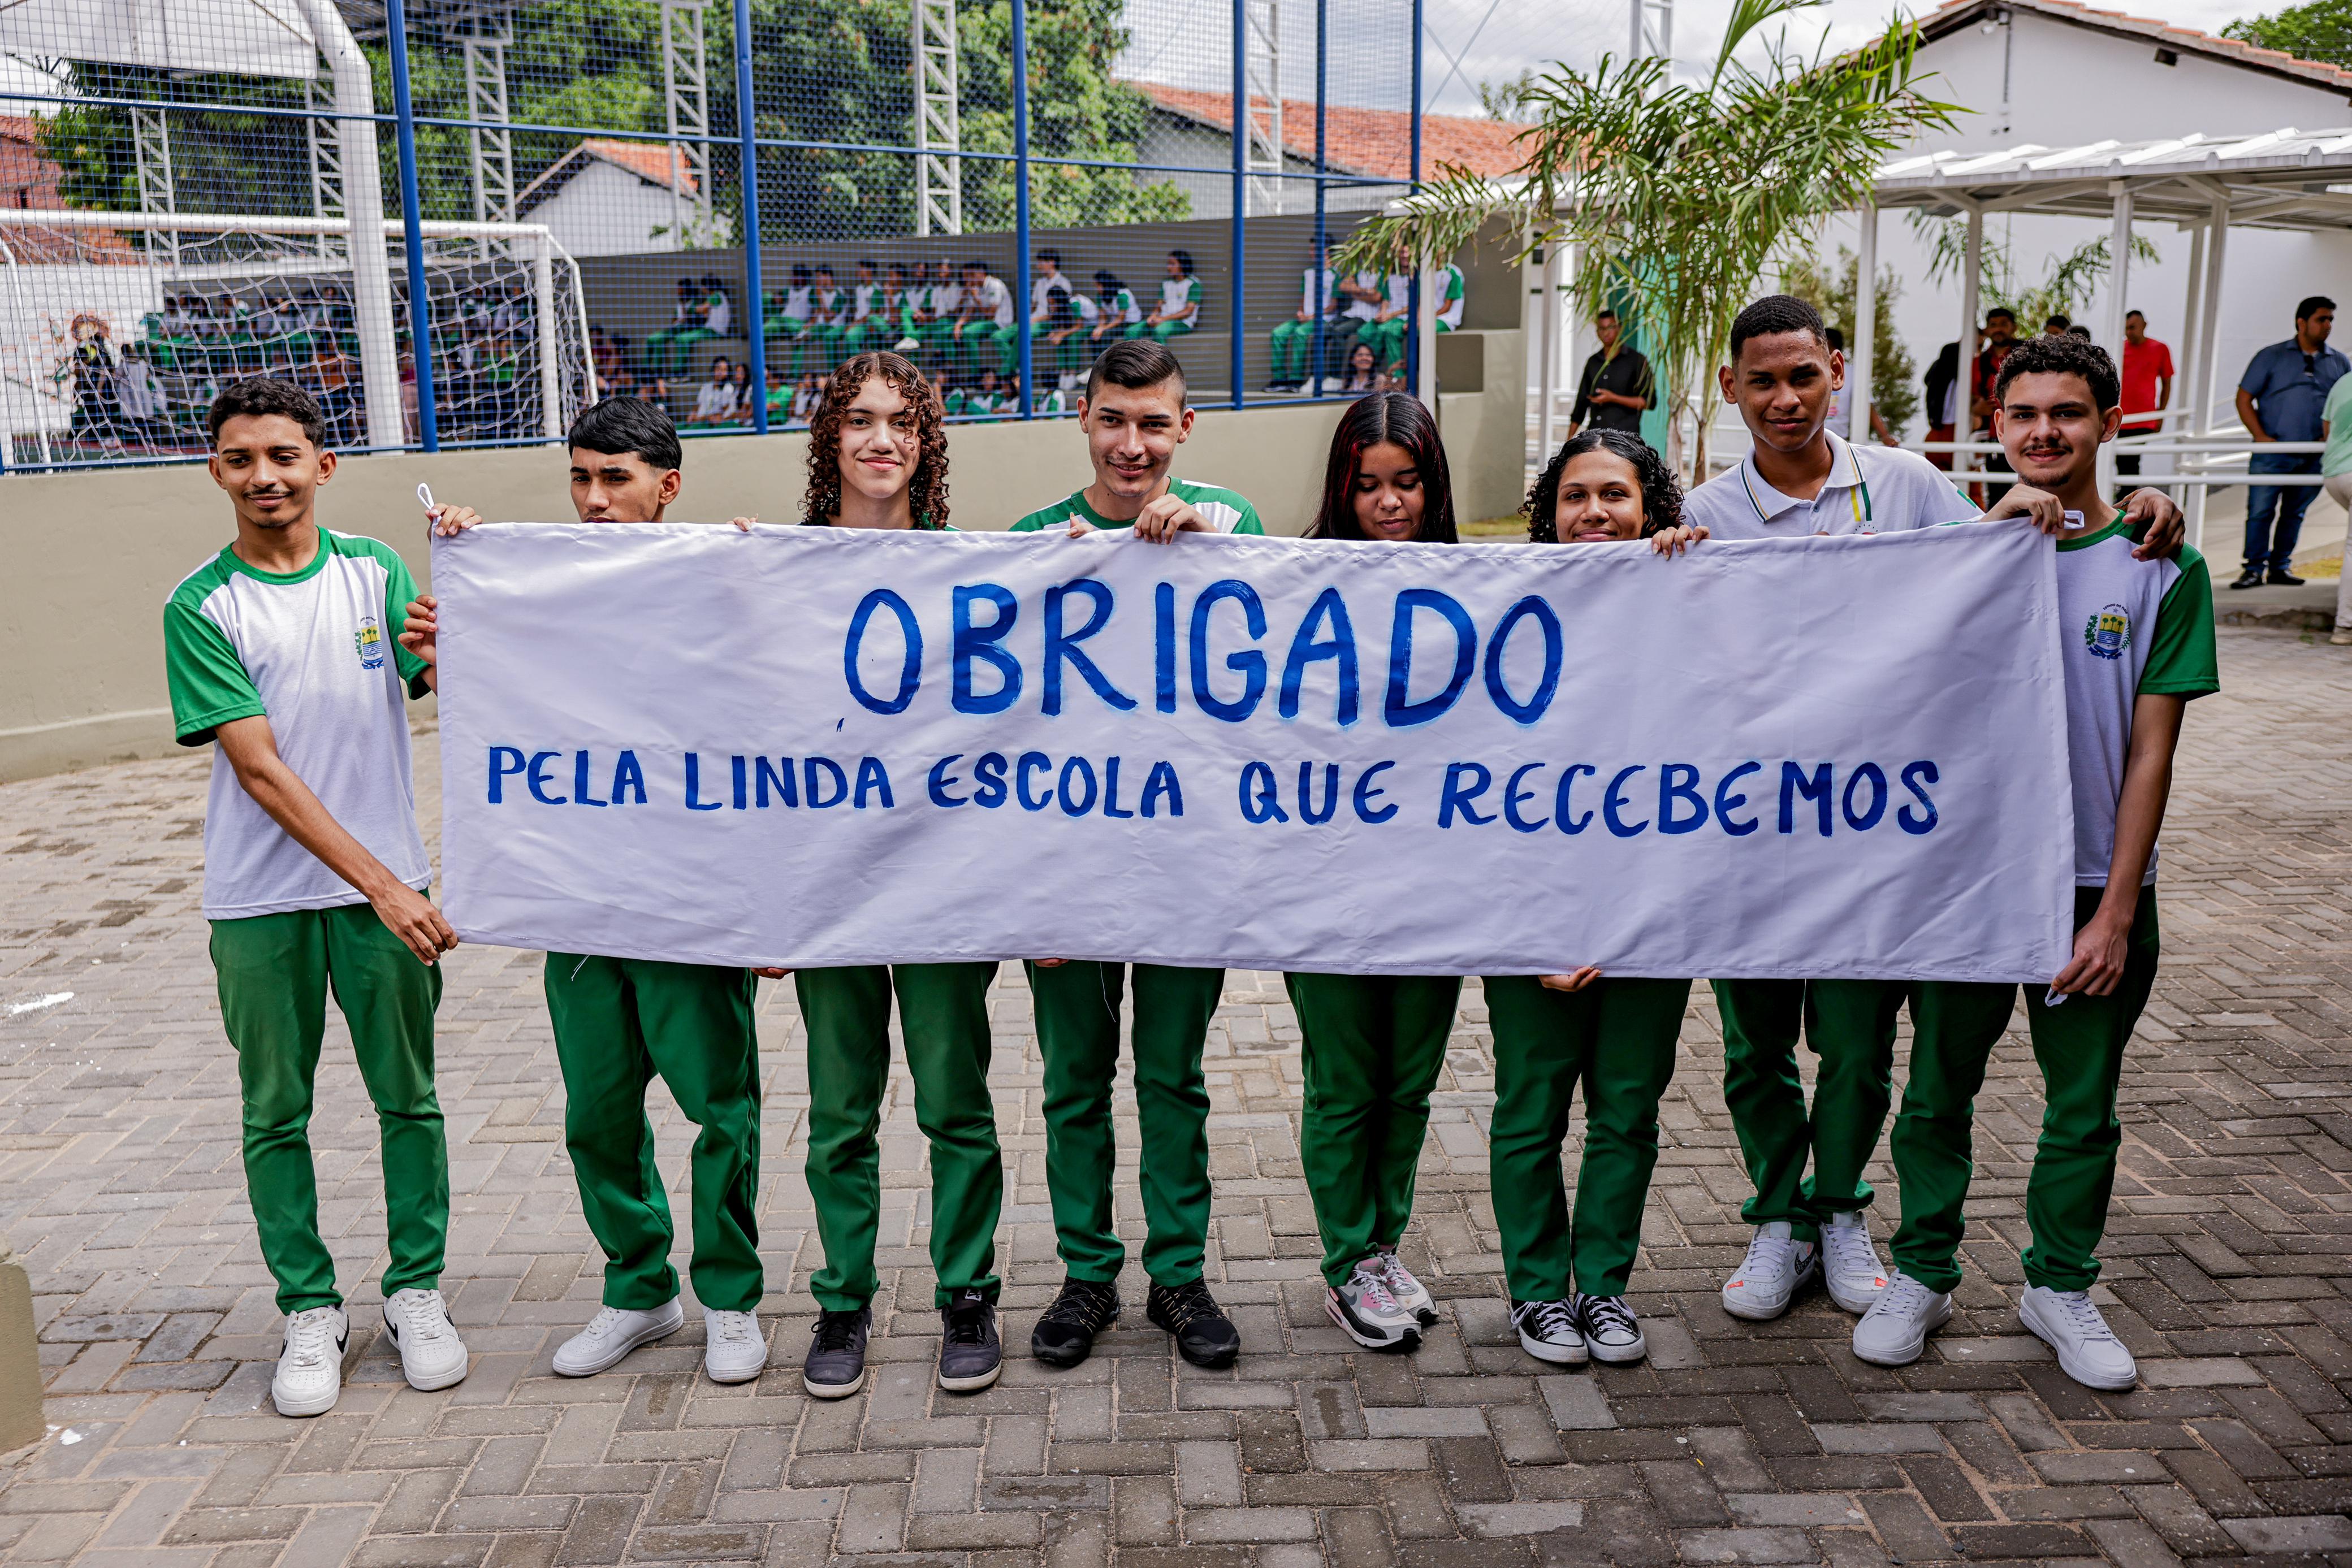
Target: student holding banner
<point x="1134" y="416"/>
<point x="879" y="459"/>
<point x="1616" y="1036"/>
<point x="314" y="875"/>
<point x="2138" y="640"/>
<point x="1372" y="1044"/>
<point x="1801" y="478"/>
<point x="619" y="1021"/>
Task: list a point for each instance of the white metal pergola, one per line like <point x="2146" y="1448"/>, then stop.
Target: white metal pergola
<point x="2203" y="185"/>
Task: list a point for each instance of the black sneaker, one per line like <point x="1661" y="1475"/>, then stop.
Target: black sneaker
<point x="835" y="1367"/>
<point x="970" y="1353"/>
<point x="1064" y="1336"/>
<point x="1611" y="1331"/>
<point x="1204" y="1335"/>
<point x="2249" y="577"/>
<point x="2278" y="579"/>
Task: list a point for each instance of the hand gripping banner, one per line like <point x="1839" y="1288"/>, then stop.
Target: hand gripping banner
<point x="809" y="747"/>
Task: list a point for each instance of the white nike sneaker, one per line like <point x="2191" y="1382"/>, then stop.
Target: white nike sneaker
<point x="431" y="1355"/>
<point x="612" y="1334"/>
<point x="1776" y="1266"/>
<point x="311" y="1368"/>
<point x="733" y="1349"/>
<point x="1409" y="1293"/>
<point x="1547" y="1332"/>
<point x="1894" y="1331"/>
<point x="1368" y="1314"/>
<point x="1850" y="1261"/>
<point x="2071" y="1323"/>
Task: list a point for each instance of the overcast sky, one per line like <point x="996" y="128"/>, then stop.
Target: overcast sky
<point x="1188" y="44"/>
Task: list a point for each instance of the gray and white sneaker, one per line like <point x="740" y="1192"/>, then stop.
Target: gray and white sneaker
<point x="970" y="1352"/>
<point x="2071" y="1323"/>
<point x="1894" y="1331"/>
<point x="1368" y="1312"/>
<point x="1611" y="1329"/>
<point x="311" y="1368"/>
<point x="1850" y="1261"/>
<point x="1409" y="1293"/>
<point x="431" y="1355"/>
<point x="733" y="1349"/>
<point x="1776" y="1266"/>
<point x="1547" y="1332"/>
<point x="835" y="1367"/>
<point x="612" y="1334"/>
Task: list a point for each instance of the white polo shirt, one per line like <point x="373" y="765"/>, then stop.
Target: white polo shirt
<point x="1871" y="489"/>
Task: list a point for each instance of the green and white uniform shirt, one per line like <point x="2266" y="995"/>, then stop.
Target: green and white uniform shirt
<point x="1871" y="489"/>
<point x="868" y="300"/>
<point x="316" y="652"/>
<point x="1319" y="295"/>
<point x="1360" y="308"/>
<point x="1123" y="309"/>
<point x="1179" y="300"/>
<point x="1227" y="512"/>
<point x="1449" y="299"/>
<point x="2125" y="627"/>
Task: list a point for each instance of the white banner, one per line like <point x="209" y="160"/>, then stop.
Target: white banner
<point x="1828" y="757"/>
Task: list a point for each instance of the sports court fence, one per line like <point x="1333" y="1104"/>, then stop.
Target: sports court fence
<point x="559" y="200"/>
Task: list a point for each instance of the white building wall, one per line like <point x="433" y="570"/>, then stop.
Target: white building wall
<point x="607" y="211"/>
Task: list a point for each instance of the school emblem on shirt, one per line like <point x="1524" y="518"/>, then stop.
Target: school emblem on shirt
<point x="2108" y="633"/>
<point x="369" y="640"/>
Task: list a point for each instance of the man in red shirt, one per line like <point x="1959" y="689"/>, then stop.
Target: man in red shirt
<point x="2147" y="381"/>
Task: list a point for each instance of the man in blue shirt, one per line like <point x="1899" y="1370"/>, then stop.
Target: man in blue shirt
<point x="2281" y="397"/>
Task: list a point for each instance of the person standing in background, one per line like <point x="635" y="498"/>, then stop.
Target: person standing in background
<point x="2147" y="386"/>
<point x="2282" y="397"/>
<point x="1943" y="384"/>
<point x="1617" y="386"/>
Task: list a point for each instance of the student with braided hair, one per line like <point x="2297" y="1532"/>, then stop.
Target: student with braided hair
<point x="1614" y="1035"/>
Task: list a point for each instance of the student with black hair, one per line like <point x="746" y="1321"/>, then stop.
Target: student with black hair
<point x="1179" y="310"/>
<point x="315" y="877"/>
<point x="794" y="314"/>
<point x="1801" y="478"/>
<point x="619" y="1022"/>
<point x="1116" y="309"/>
<point x="1134" y="417"/>
<point x="2137" y="647"/>
<point x="1049" y="306"/>
<point x="873" y="309"/>
<point x="1615" y="1036"/>
<point x="828" y="318"/>
<point x="669" y="348"/>
<point x="1290" y="348"/>
<point x="984" y="333"/>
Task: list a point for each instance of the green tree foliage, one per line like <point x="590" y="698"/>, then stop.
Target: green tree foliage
<point x="1831" y="290"/>
<point x="2319" y="31"/>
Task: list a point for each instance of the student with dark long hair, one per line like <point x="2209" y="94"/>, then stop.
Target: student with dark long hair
<point x="1373" y="1043"/>
<point x="1616" y="1036"/>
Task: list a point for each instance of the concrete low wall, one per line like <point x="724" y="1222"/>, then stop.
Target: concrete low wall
<point x="92" y="555"/>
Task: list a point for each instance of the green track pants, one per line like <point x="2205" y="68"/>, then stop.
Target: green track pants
<point x="1617" y="1038"/>
<point x="2079" y="1046"/>
<point x="274" y="972"/>
<point x="943" y="1018"/>
<point x="1372" y="1048"/>
<point x="1077" y="1033"/>
<point x="1289" y="348"/>
<point x="619" y="1022"/>
<point x="1850" y="1025"/>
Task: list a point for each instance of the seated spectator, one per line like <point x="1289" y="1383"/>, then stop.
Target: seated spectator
<point x="744" y="394"/>
<point x="666" y="347"/>
<point x="1179" y="310"/>
<point x="1116" y="312"/>
<point x="984" y="331"/>
<point x="789" y="314"/>
<point x="714" y="403"/>
<point x="139" y="398"/>
<point x="1363" y="373"/>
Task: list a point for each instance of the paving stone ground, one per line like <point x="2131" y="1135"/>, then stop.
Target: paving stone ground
<point x="2226" y="1272"/>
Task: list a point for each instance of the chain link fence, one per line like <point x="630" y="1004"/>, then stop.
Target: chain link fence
<point x="557" y="198"/>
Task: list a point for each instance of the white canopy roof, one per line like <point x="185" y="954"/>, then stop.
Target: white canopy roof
<point x="2285" y="179"/>
<point x="236" y="38"/>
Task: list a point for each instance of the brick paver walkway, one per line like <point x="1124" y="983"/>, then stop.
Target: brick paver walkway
<point x="2226" y="1270"/>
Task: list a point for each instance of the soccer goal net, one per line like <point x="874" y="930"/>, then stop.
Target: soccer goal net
<point x="121" y="327"/>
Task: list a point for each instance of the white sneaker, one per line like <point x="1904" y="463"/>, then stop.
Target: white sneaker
<point x="1611" y="1329"/>
<point x="311" y="1368"/>
<point x="1776" y="1264"/>
<point x="1547" y="1332"/>
<point x="1368" y="1314"/>
<point x="733" y="1349"/>
<point x="1894" y="1331"/>
<point x="612" y="1334"/>
<point x="1850" y="1261"/>
<point x="2070" y="1323"/>
<point x="431" y="1355"/>
<point x="1409" y="1293"/>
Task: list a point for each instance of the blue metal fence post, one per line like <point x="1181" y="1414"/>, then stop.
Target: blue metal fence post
<point x="412" y="218"/>
<point x="1412" y="311"/>
<point x="746" y="133"/>
<point x="1241" y="184"/>
<point x="1021" y="263"/>
<point x="1322" y="167"/>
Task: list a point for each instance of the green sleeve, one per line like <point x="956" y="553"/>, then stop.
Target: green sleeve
<point x="1042" y="517"/>
<point x="399" y="588"/>
<point x="2181" y="659"/>
<point x="209" y="684"/>
<point x="1454" y="283"/>
<point x="1248" y="522"/>
<point x="1192" y="292"/>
